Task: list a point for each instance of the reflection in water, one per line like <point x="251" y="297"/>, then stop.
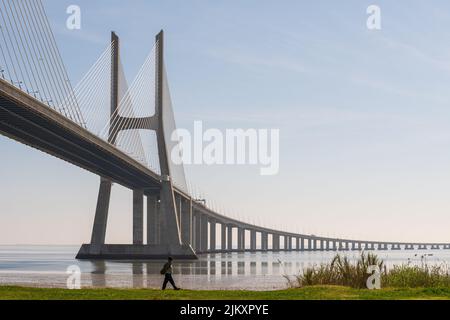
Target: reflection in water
<point x="46" y="266"/>
<point x="211" y="271"/>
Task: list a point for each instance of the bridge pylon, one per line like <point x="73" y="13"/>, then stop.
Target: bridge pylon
<point x="164" y="237"/>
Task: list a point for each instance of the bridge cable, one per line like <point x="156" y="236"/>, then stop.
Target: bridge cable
<point x="60" y="63"/>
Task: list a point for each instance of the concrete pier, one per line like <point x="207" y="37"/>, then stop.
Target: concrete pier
<point x="241" y="239"/>
<point x="276" y="242"/>
<point x="204" y="233"/>
<point x="252" y="240"/>
<point x="223" y="238"/>
<point x="230" y="238"/>
<point x="138" y="217"/>
<point x="101" y="215"/>
<point x="152" y="219"/>
<point x="212" y="235"/>
<point x="186" y="221"/>
<point x="264" y="241"/>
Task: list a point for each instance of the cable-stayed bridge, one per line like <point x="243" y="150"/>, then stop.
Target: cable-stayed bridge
<point x="123" y="133"/>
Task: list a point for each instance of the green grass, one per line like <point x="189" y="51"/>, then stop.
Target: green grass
<point x="306" y="293"/>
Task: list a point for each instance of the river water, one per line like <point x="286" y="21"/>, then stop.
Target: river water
<point x="46" y="266"/>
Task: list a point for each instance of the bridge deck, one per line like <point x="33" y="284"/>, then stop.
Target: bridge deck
<point x="31" y="122"/>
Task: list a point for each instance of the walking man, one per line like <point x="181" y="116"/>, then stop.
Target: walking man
<point x="167" y="272"/>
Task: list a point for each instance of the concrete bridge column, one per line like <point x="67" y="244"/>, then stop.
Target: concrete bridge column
<point x="241" y="239"/>
<point x="186" y="221"/>
<point x="204" y="233"/>
<point x="178" y="207"/>
<point x="223" y="237"/>
<point x="264" y="241"/>
<point x="310" y="244"/>
<point x="197" y="235"/>
<point x="230" y="238"/>
<point x="196" y="231"/>
<point x="286" y="243"/>
<point x="315" y="244"/>
<point x="152" y="219"/>
<point x="290" y="243"/>
<point x="297" y="244"/>
<point x="138" y="217"/>
<point x="253" y="240"/>
<point x="302" y="244"/>
<point x="212" y="235"/>
<point x="275" y="242"/>
<point x="322" y="245"/>
<point x="101" y="214"/>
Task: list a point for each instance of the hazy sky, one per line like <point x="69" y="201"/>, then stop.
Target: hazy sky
<point x="364" y="116"/>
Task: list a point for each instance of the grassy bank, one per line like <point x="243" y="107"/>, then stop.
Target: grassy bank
<point x="306" y="293"/>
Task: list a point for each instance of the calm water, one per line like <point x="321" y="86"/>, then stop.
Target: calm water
<point x="46" y="266"/>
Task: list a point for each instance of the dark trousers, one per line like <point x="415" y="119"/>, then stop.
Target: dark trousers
<point x="168" y="278"/>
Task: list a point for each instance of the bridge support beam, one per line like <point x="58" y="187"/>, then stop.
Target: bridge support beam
<point x="264" y="241"/>
<point x="204" y="233"/>
<point x="241" y="239"/>
<point x="212" y="235"/>
<point x="276" y="242"/>
<point x="186" y="221"/>
<point x="101" y="215"/>
<point x="152" y="219"/>
<point x="223" y="238"/>
<point x="230" y="238"/>
<point x="253" y="240"/>
<point x="138" y="217"/>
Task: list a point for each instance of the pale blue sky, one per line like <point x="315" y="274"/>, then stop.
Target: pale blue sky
<point x="364" y="115"/>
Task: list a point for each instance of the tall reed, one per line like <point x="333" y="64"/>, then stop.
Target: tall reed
<point x="342" y="272"/>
